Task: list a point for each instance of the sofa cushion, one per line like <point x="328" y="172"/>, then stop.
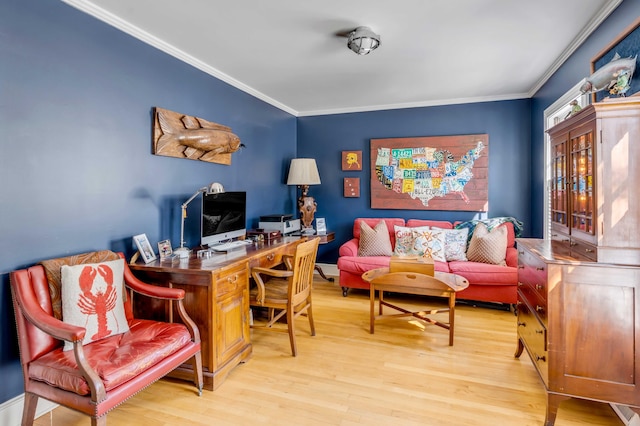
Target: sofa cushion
<point x="406" y="240"/>
<point x="129" y="354"/>
<point x="92" y="297"/>
<point x="372" y="222"/>
<point x="431" y="243"/>
<point x="442" y="224"/>
<point x="359" y="265"/>
<point x="488" y="246"/>
<point x="376" y="241"/>
<point x="455" y="247"/>
<point x="484" y="273"/>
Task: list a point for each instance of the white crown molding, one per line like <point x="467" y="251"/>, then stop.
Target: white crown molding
<point x="577" y="42"/>
<point x="441" y="102"/>
<point x="122" y="25"/>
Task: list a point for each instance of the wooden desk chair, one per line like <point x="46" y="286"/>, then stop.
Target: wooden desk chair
<point x="288" y="291"/>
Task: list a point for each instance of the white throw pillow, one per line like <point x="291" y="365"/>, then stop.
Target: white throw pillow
<point x="455" y="247"/>
<point x="93" y="298"/>
<point x="431" y="243"/>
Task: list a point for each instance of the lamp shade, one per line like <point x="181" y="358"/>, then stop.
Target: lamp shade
<point x="303" y="171"/>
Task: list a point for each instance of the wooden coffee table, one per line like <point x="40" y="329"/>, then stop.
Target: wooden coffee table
<point x="443" y="284"/>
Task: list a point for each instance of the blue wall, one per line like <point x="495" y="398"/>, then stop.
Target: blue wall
<point x="76" y="99"/>
<point x="77" y="172"/>
<point x="324" y="138"/>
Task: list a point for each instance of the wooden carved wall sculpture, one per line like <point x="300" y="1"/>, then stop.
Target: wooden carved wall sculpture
<point x="185" y="136"/>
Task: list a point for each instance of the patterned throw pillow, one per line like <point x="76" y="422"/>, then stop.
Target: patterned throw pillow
<point x="431" y="243"/>
<point x="406" y="240"/>
<point x="374" y="242"/>
<point x="92" y="297"/>
<point x="455" y="247"/>
<point x="488" y="247"/>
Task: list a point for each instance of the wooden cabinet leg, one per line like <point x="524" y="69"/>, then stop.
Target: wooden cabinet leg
<point x="519" y="349"/>
<point x="553" y="402"/>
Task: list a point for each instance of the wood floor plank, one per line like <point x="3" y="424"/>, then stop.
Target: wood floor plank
<point x="404" y="374"/>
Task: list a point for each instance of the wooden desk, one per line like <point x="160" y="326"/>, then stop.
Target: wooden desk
<point x="442" y="284"/>
<point x="217" y="299"/>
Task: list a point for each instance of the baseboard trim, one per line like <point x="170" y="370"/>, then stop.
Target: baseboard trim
<point x="329" y="269"/>
<point x="11" y="410"/>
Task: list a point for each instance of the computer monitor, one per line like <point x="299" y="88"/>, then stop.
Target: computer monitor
<point x="223" y="217"/>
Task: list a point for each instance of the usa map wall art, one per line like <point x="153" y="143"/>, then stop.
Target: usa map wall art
<point x="431" y="173"/>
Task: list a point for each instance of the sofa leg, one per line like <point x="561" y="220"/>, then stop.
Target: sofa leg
<point x="344" y="291"/>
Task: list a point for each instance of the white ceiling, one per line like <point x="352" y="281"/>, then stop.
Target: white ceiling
<point x="287" y="53"/>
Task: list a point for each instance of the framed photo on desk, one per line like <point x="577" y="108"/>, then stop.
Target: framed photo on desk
<point x="321" y="226"/>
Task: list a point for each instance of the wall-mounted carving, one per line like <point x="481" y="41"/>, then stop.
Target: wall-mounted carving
<point x="185" y="136"/>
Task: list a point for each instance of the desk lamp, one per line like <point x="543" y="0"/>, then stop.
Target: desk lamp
<point x="213" y="188"/>
<point x="304" y="172"/>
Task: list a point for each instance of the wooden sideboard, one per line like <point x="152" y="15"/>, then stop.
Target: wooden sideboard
<point x="579" y="321"/>
<point x="217" y="299"/>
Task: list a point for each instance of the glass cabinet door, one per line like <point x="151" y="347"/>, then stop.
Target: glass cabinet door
<point x="559" y="201"/>
<point x="581" y="183"/>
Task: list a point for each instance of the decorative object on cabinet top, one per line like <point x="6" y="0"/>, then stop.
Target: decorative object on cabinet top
<point x="623" y="50"/>
<point x="185" y="136"/>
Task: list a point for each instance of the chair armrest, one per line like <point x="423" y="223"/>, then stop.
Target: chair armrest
<point x="256" y="273"/>
<point x="149" y="289"/>
<point x="287" y="259"/>
<point x="37" y="316"/>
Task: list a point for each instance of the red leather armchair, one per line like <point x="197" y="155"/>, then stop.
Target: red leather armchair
<point x="97" y="377"/>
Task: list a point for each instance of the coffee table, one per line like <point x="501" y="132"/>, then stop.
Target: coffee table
<point x="442" y="284"/>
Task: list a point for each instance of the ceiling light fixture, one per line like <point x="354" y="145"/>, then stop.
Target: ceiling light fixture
<point x="363" y="41"/>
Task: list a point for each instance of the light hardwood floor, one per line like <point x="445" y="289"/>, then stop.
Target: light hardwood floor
<point x="404" y="374"/>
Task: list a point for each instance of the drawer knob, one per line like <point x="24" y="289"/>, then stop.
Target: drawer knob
<point x="589" y="250"/>
<point x="271" y="256"/>
<point x="539" y="308"/>
<point x="540" y="268"/>
<point x="538" y="331"/>
<point x="522" y="324"/>
<point x="520" y="266"/>
<point x="233" y="279"/>
<point x="541" y="358"/>
<point x="539" y="287"/>
<point x="573" y="244"/>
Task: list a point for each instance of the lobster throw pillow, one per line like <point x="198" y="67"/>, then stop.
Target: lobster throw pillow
<point x="93" y="298"/>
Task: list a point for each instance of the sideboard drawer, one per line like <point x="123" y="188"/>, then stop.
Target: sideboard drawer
<point x="534" y="335"/>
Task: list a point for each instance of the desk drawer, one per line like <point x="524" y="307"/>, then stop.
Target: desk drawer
<point x="232" y="280"/>
<point x="270" y="259"/>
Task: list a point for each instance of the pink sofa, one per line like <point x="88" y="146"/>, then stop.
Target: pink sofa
<point x="487" y="283"/>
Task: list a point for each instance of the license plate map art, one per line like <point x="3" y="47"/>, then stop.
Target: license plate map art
<point x="430" y="173"/>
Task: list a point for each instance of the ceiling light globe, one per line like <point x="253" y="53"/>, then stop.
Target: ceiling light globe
<point x="363" y="41"/>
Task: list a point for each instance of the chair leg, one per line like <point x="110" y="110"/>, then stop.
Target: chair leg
<point x="310" y="315"/>
<point x="99" y="421"/>
<point x="29" y="409"/>
<point x="197" y="372"/>
<point x="292" y="329"/>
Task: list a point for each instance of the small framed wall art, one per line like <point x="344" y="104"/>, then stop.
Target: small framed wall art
<point x="351" y="160"/>
<point x="352" y="187"/>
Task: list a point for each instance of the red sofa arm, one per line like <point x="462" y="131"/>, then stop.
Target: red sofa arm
<point x="350" y="248"/>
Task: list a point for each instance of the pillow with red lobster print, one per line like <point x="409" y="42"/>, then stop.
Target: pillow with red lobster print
<point x="93" y="298"/>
